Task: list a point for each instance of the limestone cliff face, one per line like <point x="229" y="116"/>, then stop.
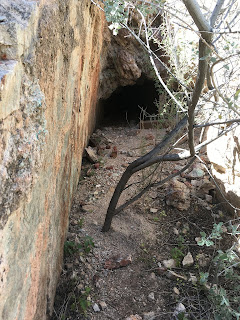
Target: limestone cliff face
<point x="50" y="62"/>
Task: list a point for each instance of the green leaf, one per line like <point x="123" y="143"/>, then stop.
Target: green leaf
<point x="234" y="229"/>
<point x="213" y="59"/>
<point x="236" y="94"/>
<point x="203" y="277"/>
<point x="201" y="242"/>
<point x="203" y="58"/>
<point x="209" y="243"/>
<point x="225" y="300"/>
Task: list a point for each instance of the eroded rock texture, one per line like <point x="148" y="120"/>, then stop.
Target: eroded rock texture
<point x="126" y="61"/>
<point x="50" y="61"/>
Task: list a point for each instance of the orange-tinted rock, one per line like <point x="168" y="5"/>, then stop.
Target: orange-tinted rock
<point x="51" y="55"/>
<point x="114" y="152"/>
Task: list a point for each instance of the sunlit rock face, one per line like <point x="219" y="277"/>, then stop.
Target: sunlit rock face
<point x="50" y="61"/>
<point x="224" y="155"/>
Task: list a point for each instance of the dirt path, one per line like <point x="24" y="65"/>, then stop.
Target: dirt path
<point x="93" y="285"/>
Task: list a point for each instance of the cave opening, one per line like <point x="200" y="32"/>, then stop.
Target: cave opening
<point x="126" y="104"/>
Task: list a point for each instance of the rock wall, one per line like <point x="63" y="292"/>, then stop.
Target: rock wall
<point x="126" y="61"/>
<point x="224" y="155"/>
<point x="50" y="61"/>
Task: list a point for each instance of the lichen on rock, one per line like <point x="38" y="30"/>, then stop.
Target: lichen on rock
<point x="23" y="134"/>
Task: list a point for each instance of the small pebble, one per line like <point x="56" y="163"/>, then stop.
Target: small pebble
<point x="151" y="296"/>
<point x="188" y="260"/>
<point x="148" y="315"/>
<point x="103" y="305"/>
<point x="96" y="307"/>
<point x="175" y="231"/>
<point x="171" y="263"/>
<point x="175" y="290"/>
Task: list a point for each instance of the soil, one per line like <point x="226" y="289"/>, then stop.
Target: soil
<point x="120" y="274"/>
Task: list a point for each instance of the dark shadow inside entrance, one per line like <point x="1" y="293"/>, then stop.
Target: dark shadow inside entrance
<point x="123" y="107"/>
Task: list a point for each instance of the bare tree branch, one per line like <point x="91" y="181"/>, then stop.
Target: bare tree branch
<point x="218" y="90"/>
<point x="154" y="65"/>
<point x="216" y="12"/>
<point x="195" y="12"/>
<point x="155" y="184"/>
<point x="129" y="171"/>
<point x="182" y="155"/>
<point x="202" y="71"/>
<point x="215" y="123"/>
<point x="158" y="154"/>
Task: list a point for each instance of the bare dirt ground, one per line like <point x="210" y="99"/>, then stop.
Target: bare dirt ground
<point x="122" y="274"/>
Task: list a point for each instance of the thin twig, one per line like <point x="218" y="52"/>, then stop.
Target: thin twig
<point x="215" y="123"/>
<point x="155" y="184"/>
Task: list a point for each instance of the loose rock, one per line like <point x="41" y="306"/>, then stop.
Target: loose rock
<point x="175" y="290"/>
<point x="196" y="172"/>
<point x="178" y="195"/>
<point x="205" y="187"/>
<point x="96" y="307"/>
<point x="202" y="259"/>
<point x="114" y="152"/>
<point x="161" y="270"/>
<point x="180" y="308"/>
<point x="91" y="154"/>
<point x="134" y="317"/>
<point x="192" y="278"/>
<point x="175" y="231"/>
<point x="151" y="296"/>
<point x="188" y="260"/>
<point x="171" y="263"/>
<point x="208" y="198"/>
<point x="148" y="315"/>
<point x="103" y="305"/>
<point x="130" y="154"/>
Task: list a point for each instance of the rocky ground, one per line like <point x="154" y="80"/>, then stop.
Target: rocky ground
<point x="148" y="265"/>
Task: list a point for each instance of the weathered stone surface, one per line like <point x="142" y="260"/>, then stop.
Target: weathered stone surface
<point x="50" y="62"/>
<point x="188" y="260"/>
<point x="91" y="154"/>
<point x="225" y="163"/>
<point x="171" y="263"/>
<point x="178" y="195"/>
<point x="126" y="62"/>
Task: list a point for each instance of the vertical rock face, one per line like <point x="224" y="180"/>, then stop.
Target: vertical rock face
<point x="50" y="61"/>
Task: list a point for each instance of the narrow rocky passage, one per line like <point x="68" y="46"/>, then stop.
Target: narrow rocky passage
<point x="135" y="271"/>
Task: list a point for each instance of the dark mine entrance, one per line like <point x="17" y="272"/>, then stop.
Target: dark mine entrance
<point x="123" y="107"/>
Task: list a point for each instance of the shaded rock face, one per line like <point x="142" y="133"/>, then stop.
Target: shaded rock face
<point x="224" y="155"/>
<point x="50" y="62"/>
<point x="126" y="61"/>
